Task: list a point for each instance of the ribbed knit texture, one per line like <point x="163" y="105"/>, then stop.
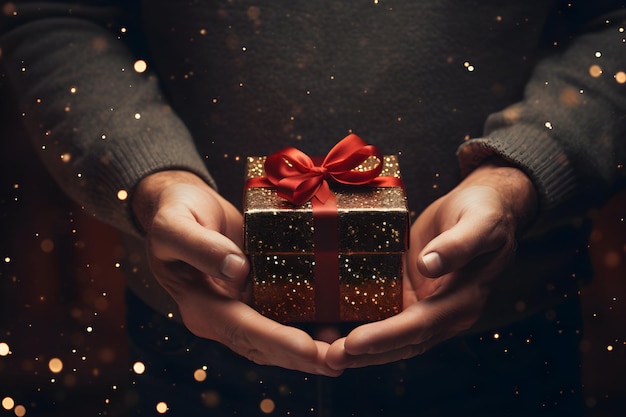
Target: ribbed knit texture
<point x="227" y="79"/>
<point x="99" y="124"/>
<point x="568" y="133"/>
<point x="413" y="79"/>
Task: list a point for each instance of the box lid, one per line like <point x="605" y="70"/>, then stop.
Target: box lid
<point x="370" y="219"/>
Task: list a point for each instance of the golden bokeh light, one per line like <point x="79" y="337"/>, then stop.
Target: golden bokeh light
<point x="162" y="407"/>
<point x="8" y="403"/>
<point x="595" y="71"/>
<point x="140" y="66"/>
<point x="47" y="245"/>
<point x="199" y="375"/>
<point x="211" y="398"/>
<point x="20" y="411"/>
<point x="570" y="96"/>
<point x="9" y="9"/>
<point x="267" y="405"/>
<point x="55" y="365"/>
<point x="139" y="368"/>
<point x="122" y="195"/>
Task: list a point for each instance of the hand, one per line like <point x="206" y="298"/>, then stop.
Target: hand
<point x="194" y="238"/>
<point x="459" y="246"/>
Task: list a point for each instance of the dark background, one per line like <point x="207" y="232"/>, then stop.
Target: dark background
<point x="62" y="296"/>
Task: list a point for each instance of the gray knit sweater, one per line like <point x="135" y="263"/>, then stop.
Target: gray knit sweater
<point x="443" y="83"/>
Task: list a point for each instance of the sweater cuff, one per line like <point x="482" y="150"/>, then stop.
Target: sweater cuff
<point x="164" y="144"/>
<point x="117" y="184"/>
<point x="534" y="152"/>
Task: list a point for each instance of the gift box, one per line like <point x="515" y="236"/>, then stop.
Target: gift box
<point x="326" y="236"/>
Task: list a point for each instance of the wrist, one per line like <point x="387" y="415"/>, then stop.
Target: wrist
<point x="146" y="196"/>
<point x="514" y="186"/>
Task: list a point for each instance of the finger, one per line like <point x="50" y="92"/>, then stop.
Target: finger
<point x="403" y="329"/>
<point x="267" y="342"/>
<point x="280" y="355"/>
<point x="291" y="348"/>
<point x="206" y="250"/>
<point x="324" y="368"/>
<point x="270" y="343"/>
<point x="338" y="358"/>
<point x="459" y="245"/>
<point x="425" y="323"/>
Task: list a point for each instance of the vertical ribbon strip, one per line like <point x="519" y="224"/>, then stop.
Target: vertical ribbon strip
<point x="326" y="257"/>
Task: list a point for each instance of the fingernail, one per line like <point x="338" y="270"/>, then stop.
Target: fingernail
<point x="232" y="265"/>
<point x="433" y="264"/>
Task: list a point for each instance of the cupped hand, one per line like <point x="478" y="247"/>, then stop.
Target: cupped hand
<point x="194" y="240"/>
<point x="459" y="246"/>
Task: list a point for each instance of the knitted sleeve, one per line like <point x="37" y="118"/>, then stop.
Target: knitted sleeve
<point x="93" y="111"/>
<point x="569" y="131"/>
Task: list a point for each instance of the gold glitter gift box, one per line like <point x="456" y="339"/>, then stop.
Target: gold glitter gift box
<point x="350" y="272"/>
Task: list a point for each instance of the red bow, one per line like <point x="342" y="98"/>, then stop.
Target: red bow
<point x="297" y="179"/>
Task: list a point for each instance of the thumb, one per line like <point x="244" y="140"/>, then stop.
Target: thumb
<point x="458" y="246"/>
<point x="204" y="249"/>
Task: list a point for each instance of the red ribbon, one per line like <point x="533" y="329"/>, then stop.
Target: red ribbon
<point x="297" y="178"/>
